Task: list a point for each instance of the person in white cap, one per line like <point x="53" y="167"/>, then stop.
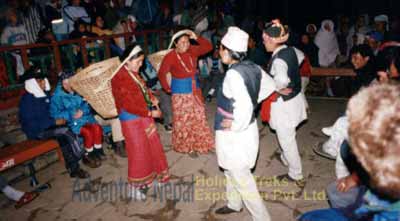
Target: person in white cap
<point x="382" y="24"/>
<point x="288" y="110"/>
<point x="237" y="138"/>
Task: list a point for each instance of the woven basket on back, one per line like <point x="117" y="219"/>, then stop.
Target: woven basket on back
<point x="90" y="83"/>
<point x="156" y="59"/>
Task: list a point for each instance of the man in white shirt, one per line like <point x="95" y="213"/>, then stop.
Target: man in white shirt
<point x="289" y="110"/>
<point x="73" y="12"/>
<point x="237" y="138"/>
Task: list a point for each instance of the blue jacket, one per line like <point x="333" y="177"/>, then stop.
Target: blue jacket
<point x="64" y="105"/>
<point x="372" y="208"/>
<point x="34" y="115"/>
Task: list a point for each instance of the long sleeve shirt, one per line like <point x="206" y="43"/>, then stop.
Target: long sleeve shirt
<point x="14" y="35"/>
<point x="235" y="88"/>
<point x="34" y="115"/>
<point x="65" y="105"/>
<point x="279" y="68"/>
<point x="128" y="95"/>
<point x="72" y="14"/>
<point x="171" y="63"/>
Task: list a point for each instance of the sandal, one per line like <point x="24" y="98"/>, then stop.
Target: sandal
<point x="25" y="199"/>
<point x="320" y="151"/>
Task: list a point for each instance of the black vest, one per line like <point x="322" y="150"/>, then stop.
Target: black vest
<point x="289" y="56"/>
<point x="251" y="75"/>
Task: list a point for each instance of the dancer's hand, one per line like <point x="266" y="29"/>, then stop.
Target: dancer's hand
<point x="226" y="124"/>
<point x="191" y="34"/>
<point x="345" y="184"/>
<point x="285" y="91"/>
<point x="156" y="113"/>
<point x="60" y="122"/>
<point x="155" y="101"/>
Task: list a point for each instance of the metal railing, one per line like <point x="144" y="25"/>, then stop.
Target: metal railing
<point x="150" y="40"/>
<point x="147" y="40"/>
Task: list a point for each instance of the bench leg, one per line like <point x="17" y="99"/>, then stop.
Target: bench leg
<point x="34" y="181"/>
<point x="32" y="174"/>
<point x="60" y="155"/>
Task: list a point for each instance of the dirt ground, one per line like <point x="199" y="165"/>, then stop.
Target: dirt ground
<point x="197" y="184"/>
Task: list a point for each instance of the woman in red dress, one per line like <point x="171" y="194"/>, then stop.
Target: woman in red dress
<point x="137" y="107"/>
<point x="190" y="131"/>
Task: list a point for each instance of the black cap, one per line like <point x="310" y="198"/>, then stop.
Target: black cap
<point x="65" y="75"/>
<point x="32" y="72"/>
<point x="273" y="31"/>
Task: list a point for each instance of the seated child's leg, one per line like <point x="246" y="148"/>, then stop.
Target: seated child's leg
<point x="87" y="135"/>
<point x="97" y="133"/>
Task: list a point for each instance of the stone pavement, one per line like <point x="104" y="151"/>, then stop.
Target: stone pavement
<point x="197" y="184"/>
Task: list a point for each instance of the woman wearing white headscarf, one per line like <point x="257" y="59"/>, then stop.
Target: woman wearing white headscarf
<point x="327" y="43"/>
<point x="137" y="106"/>
<point x="328" y="46"/>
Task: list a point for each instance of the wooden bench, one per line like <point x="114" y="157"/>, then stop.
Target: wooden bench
<point x="26" y="151"/>
<point x="332" y="72"/>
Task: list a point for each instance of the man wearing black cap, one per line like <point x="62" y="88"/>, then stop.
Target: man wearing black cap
<point x="36" y="122"/>
<point x="288" y="111"/>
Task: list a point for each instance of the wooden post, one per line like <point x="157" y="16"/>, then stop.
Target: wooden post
<point x="84" y="52"/>
<point x="107" y="51"/>
<point x="161" y="40"/>
<point x="57" y="56"/>
<point x="146" y="43"/>
<point x="25" y="59"/>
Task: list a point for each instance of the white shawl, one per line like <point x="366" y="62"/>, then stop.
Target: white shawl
<point x="33" y="87"/>
<point x="327" y="44"/>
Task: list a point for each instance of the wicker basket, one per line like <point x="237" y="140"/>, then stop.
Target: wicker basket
<point x="89" y="83"/>
<point x="156" y="58"/>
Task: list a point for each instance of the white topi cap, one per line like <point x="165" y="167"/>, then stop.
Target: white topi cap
<point x="131" y="18"/>
<point x="381" y="18"/>
<point x="235" y="39"/>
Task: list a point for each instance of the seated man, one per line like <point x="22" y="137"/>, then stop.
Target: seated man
<point x="349" y="187"/>
<point x="36" y="122"/>
<point x="364" y="66"/>
<point x="374" y="116"/>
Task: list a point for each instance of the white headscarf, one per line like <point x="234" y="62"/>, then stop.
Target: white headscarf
<point x="327" y="44"/>
<point x="32" y="87"/>
<point x="383" y="18"/>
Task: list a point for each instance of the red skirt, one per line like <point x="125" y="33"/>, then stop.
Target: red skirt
<point x="190" y="128"/>
<point x="146" y="157"/>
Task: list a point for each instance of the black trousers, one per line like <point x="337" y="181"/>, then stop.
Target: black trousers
<point x="69" y="144"/>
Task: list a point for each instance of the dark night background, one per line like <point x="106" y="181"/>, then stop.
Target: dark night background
<point x="298" y="13"/>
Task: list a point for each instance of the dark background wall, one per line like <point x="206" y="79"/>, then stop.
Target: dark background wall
<point x="297" y="13"/>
